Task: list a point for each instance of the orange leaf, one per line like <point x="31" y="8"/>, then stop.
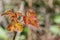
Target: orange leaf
<point x="10" y="28"/>
<point x="31" y="19"/>
<point x="26" y="20"/>
<point x="13" y="17"/>
<point x="18" y="27"/>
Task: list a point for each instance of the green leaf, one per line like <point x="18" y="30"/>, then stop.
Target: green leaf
<point x="57" y="19"/>
<point x="55" y="29"/>
<point x="3" y="33"/>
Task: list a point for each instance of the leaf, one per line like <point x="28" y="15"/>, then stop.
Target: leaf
<point x="3" y="33"/>
<point x="11" y="28"/>
<point x="13" y="18"/>
<point x="15" y="27"/>
<point x="26" y="20"/>
<point x="57" y="19"/>
<point x="31" y="19"/>
<point x="55" y="29"/>
<point x="19" y="27"/>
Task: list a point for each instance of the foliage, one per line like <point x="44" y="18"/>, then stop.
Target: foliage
<point x="55" y="29"/>
<point x="56" y="2"/>
<point x="57" y="18"/>
<point x="3" y="34"/>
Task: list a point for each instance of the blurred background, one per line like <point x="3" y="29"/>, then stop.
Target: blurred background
<point x="48" y="14"/>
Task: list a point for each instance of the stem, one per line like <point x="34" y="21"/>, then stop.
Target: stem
<point x="29" y="34"/>
<point x="47" y="24"/>
<point x="10" y="35"/>
<point x="30" y="3"/>
<point x="14" y="36"/>
<point x="38" y="37"/>
<point x="29" y="30"/>
<point x="17" y="35"/>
